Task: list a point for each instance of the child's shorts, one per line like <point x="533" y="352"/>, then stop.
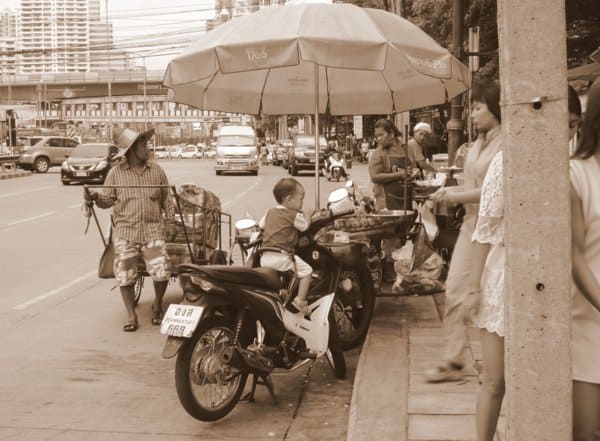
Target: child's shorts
<point x="127" y="256"/>
<point x="282" y="262"/>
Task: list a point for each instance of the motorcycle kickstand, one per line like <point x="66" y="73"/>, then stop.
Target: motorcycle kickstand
<point x="263" y="380"/>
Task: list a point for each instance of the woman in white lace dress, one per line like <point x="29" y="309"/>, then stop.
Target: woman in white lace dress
<point x="490" y="316"/>
<point x="585" y="226"/>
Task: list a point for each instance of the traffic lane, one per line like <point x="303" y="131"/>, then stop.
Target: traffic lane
<point x="74" y="364"/>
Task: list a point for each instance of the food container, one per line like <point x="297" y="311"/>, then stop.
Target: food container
<point x="244" y="228"/>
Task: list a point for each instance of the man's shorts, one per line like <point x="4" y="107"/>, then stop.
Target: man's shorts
<point x="127" y="256"/>
<point x="282" y="262"/>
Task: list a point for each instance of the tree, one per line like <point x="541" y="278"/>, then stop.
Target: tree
<point x="435" y="18"/>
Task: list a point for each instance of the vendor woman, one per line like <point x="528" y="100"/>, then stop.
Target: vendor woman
<point x="389" y="162"/>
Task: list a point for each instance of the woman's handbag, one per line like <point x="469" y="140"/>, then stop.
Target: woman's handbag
<point x="105" y="267"/>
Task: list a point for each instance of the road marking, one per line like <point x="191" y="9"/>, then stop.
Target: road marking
<point x="55" y="291"/>
<point x="19" y="193"/>
<point x="76" y="205"/>
<point x="242" y="194"/>
<point x="29" y="219"/>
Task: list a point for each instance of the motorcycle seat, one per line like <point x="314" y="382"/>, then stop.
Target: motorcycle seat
<point x="263" y="277"/>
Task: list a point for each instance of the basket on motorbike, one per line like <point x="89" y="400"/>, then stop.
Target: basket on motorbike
<point x="378" y="225"/>
<point x="198" y="222"/>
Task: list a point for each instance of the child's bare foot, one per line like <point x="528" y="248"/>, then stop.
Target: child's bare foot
<point x="302" y="306"/>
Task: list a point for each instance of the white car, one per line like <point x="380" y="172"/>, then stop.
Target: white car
<point x="210" y="153"/>
<point x="188" y="152"/>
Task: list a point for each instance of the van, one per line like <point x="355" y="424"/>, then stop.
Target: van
<point x="237" y="149"/>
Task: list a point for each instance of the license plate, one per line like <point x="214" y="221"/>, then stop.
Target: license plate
<point x="312" y="160"/>
<point x="181" y="320"/>
<point x="81" y="173"/>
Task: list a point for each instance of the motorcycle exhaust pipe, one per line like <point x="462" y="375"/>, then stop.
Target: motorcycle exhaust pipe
<point x="247" y="361"/>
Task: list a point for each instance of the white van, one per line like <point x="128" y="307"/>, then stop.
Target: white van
<point x="237" y="149"/>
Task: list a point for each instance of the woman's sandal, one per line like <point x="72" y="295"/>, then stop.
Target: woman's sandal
<point x="157" y="316"/>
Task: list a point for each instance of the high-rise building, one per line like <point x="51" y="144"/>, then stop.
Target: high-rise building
<point x="8" y="42"/>
<point x="63" y="36"/>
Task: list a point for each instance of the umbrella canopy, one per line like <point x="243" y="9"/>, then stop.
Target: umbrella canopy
<point x="369" y="62"/>
<point x="587" y="72"/>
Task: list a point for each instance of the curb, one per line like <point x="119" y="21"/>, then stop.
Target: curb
<point x="15" y="174"/>
<point x="379" y="407"/>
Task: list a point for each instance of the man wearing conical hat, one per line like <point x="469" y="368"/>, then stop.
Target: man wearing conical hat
<point x="141" y="218"/>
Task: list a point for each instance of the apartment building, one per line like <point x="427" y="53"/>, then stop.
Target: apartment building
<point x="8" y="42"/>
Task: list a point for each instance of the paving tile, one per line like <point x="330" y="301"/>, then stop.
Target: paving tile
<point x="441" y="427"/>
<point x="441" y="403"/>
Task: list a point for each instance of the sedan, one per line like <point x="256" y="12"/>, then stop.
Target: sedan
<point x="190" y="152"/>
<point x="89" y="163"/>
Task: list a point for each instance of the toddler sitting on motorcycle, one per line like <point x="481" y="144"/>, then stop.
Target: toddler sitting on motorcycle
<point x="281" y="226"/>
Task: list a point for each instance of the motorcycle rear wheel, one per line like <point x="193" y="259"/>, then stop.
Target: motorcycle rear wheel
<point x="199" y="368"/>
<point x="353" y="321"/>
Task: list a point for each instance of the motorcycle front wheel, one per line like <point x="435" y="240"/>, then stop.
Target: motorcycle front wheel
<point x="335" y="352"/>
<point x="353" y="314"/>
<point x="207" y="387"/>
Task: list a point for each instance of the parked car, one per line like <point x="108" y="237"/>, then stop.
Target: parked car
<point x="191" y="151"/>
<point x="210" y="153"/>
<point x="88" y="163"/>
<point x="301" y="155"/>
<point x="281" y="150"/>
<point x="48" y="151"/>
<point x="161" y="152"/>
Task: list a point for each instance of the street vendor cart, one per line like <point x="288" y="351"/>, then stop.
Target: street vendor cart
<point x="197" y="236"/>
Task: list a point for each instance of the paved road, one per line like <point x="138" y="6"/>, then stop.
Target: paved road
<point x="70" y="373"/>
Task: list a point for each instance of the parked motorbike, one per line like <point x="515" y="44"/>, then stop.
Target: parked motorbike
<point x="335" y="167"/>
<point x="360" y="262"/>
<point x="234" y="322"/>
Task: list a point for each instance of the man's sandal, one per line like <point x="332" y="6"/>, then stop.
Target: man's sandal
<point x="130" y="326"/>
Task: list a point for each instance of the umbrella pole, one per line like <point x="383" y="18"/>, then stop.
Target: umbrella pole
<point x="317" y="162"/>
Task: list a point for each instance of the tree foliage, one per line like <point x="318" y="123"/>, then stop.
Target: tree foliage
<point x="435" y="18"/>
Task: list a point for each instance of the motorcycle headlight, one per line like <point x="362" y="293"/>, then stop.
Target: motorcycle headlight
<point x="204" y="285"/>
<point x="101" y="165"/>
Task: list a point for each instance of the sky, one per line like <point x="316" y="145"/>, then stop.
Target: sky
<point x="172" y="23"/>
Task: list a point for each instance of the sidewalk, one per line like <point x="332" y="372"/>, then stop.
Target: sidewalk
<point x="391" y="400"/>
<point x="16" y="173"/>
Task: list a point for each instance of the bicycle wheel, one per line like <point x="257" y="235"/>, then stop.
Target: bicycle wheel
<point x="138" y="287"/>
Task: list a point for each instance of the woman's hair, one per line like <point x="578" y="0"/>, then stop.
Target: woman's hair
<point x="388" y="126"/>
<point x="589" y="137"/>
<point x="488" y="92"/>
<point x="573" y="102"/>
<point x="284" y="188"/>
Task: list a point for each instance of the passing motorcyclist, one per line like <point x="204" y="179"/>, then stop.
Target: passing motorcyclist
<point x="281" y="226"/>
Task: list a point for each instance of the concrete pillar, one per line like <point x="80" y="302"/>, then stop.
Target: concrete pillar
<point x="533" y="73"/>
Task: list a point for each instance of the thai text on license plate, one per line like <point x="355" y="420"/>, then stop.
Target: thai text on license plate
<point x="181" y="320"/>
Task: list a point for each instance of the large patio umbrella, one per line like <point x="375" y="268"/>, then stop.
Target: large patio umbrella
<point x="312" y="58"/>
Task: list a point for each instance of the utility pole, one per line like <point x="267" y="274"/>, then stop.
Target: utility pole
<point x="533" y="74"/>
<point x="456" y="124"/>
<point x="109" y="45"/>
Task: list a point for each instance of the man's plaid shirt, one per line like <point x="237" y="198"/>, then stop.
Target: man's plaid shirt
<point x="140" y="214"/>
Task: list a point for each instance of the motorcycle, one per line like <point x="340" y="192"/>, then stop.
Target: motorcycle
<point x="335" y="167"/>
<point x="360" y="263"/>
<point x="234" y="322"/>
